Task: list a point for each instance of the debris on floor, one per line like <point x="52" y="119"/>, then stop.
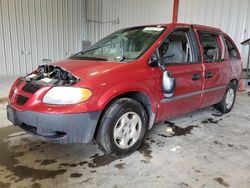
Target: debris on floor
<point x="175" y="148"/>
<point x="169" y="130"/>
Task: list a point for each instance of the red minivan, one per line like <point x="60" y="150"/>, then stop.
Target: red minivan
<point x="115" y="91"/>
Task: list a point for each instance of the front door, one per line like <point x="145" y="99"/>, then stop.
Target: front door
<point x="179" y="54"/>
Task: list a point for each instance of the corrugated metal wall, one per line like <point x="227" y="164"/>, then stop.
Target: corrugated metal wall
<point x="33" y="30"/>
<point x="106" y="16"/>
<point x="233" y="17"/>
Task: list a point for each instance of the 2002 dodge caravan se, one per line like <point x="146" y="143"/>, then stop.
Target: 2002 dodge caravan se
<point x="117" y="89"/>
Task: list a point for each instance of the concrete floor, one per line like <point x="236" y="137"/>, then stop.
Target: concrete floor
<point x="206" y="149"/>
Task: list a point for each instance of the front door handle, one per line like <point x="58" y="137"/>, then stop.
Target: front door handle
<point x="208" y="75"/>
<point x="196" y="77"/>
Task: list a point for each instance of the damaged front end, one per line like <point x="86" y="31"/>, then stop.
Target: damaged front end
<point x="38" y="104"/>
<point x="51" y="75"/>
<point x="46" y="75"/>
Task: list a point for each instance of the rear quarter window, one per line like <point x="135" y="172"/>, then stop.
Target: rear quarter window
<point x="231" y="48"/>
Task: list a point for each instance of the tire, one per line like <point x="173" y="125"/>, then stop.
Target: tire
<point x="122" y="127"/>
<point x="227" y="103"/>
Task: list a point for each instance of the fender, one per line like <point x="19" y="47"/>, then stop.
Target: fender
<point x="120" y="89"/>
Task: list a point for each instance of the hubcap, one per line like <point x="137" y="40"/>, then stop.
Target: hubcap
<point x="229" y="98"/>
<point x="127" y="130"/>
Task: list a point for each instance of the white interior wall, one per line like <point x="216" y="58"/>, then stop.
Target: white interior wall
<point x="33" y="30"/>
<point x="103" y="15"/>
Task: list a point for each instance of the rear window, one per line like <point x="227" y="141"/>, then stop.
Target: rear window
<point x="232" y="52"/>
<point x="211" y="46"/>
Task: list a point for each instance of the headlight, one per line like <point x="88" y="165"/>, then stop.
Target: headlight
<point x="66" y="95"/>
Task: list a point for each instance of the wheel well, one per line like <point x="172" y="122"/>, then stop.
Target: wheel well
<point x="142" y="98"/>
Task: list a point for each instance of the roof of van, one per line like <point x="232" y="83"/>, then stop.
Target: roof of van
<point x="197" y="26"/>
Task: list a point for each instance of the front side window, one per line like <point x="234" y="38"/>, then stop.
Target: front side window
<point x="123" y="45"/>
<point x="176" y="49"/>
<point x="232" y="52"/>
<point x="210" y="45"/>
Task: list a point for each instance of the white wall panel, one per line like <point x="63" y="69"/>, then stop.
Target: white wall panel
<point x="233" y="17"/>
<point x="103" y="14"/>
<point x="7" y="36"/>
<point x="33" y="30"/>
<point x="2" y="44"/>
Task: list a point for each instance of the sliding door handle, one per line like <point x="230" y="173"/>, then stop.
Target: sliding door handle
<point x="196" y="76"/>
<point x="208" y="75"/>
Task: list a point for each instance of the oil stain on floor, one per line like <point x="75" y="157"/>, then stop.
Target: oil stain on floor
<point x="120" y="166"/>
<point x="146" y="151"/>
<point x="4" y="185"/>
<point x="47" y="162"/>
<point x="8" y="159"/>
<point x="16" y="172"/>
<point x="178" y="131"/>
<point x="211" y="121"/>
<point x="75" y="175"/>
<point x="100" y="160"/>
<point x="221" y="181"/>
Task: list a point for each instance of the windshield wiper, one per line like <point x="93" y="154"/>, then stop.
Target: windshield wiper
<point x="122" y="44"/>
<point x="94" y="48"/>
<point x="88" y="58"/>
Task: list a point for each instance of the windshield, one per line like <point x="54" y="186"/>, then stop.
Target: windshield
<point x="123" y="45"/>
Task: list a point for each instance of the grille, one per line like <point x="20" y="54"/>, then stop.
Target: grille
<point x="31" y="88"/>
<point x="21" y="100"/>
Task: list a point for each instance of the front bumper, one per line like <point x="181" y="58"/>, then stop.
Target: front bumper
<point x="60" y="128"/>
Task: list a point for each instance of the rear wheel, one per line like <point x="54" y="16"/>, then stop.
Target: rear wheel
<point x="227" y="103"/>
<point x="122" y="127"/>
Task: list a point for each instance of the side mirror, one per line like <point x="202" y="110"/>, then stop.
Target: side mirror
<point x="168" y="84"/>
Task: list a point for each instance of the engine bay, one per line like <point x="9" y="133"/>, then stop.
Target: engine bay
<point x="52" y="75"/>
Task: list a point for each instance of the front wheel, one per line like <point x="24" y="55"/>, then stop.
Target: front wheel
<point x="227" y="103"/>
<point x="122" y="127"/>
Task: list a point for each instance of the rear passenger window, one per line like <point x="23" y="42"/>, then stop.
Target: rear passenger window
<point x="232" y="52"/>
<point x="210" y="45"/>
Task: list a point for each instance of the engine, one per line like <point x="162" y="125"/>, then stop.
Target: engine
<point x="52" y="75"/>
